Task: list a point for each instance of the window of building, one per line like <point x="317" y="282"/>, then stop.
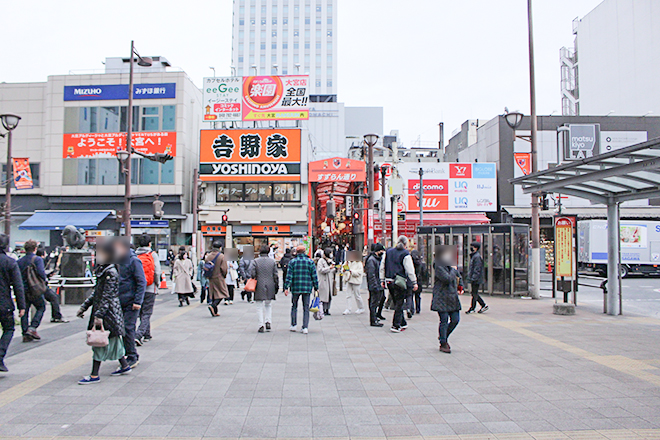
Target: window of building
<point x="262" y="71"/>
<point x="241" y="11"/>
<point x="251" y="46"/>
<point x="241" y="35"/>
<point x="318" y="45"/>
<point x="274" y="21"/>
<point x="106" y="171"/>
<point x="285" y="45"/>
<point x="329" y="46"/>
<point x="240" y="47"/>
<point x="252" y="10"/>
<point x="318" y="33"/>
<point x="285" y="71"/>
<point x="307" y="44"/>
<point x="329" y="33"/>
<point x="329" y="72"/>
<point x="263" y="34"/>
<point x="295" y="58"/>
<point x="306" y="60"/>
<point x="285" y="21"/>
<point x="263" y="10"/>
<point x="169" y="118"/>
<point x="235" y="192"/>
<point x="251" y="35"/>
<point x="307" y="20"/>
<point x="273" y="45"/>
<point x="285" y="9"/>
<point x="34" y="170"/>
<point x="318" y="20"/>
<point x="329" y="60"/>
<point x="150" y="119"/>
<point x="296" y="33"/>
<point x="329" y="20"/>
<point x="318" y="58"/>
<point x="262" y="46"/>
<point x="251" y="192"/>
<point x="263" y="22"/>
<point x="296" y="45"/>
<point x="307" y="10"/>
<point x="258" y="192"/>
<point x="252" y="22"/>
<point x="296" y="22"/>
<point x="318" y="8"/>
<point x="240" y="59"/>
<point x="318" y="83"/>
<point x="241" y="22"/>
<point x="329" y="83"/>
<point x="149" y="174"/>
<point x="167" y="173"/>
<point x="274" y="34"/>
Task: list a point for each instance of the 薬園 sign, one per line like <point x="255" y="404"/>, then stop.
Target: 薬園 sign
<point x="250" y="155"/>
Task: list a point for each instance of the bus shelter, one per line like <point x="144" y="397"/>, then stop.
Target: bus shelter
<point x="504" y="247"/>
<point x="630" y="173"/>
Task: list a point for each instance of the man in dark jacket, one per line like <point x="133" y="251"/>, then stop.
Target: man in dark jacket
<point x="445" y="300"/>
<point x="476" y="278"/>
<point x="10" y="276"/>
<point x="30" y="327"/>
<point x="244" y="269"/>
<point x="376" y="291"/>
<point x="132" y="285"/>
<point x="397" y="265"/>
<point x="284" y="262"/>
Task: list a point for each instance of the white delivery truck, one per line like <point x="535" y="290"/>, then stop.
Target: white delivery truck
<point x="640" y="246"/>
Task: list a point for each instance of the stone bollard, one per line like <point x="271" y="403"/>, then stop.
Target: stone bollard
<point x="563" y="309"/>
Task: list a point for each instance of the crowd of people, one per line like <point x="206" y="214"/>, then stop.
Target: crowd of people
<point x="128" y="279"/>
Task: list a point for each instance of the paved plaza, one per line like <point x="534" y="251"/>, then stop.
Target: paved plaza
<point x="518" y="372"/>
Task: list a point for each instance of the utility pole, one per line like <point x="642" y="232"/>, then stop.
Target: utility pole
<point x="370" y="140"/>
<point x="383" y="216"/>
<point x="421" y="196"/>
<point x="536" y="226"/>
<point x="195" y="212"/>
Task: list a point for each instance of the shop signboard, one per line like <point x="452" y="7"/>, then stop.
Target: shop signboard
<point x="105" y="92"/>
<point x="583" y="141"/>
<point x="81" y="145"/>
<point x="223" y="99"/>
<point x="565" y="252"/>
<point x="337" y="169"/>
<point x="451" y="187"/>
<point x="22" y="173"/>
<point x="250" y="155"/>
<point x="275" y="98"/>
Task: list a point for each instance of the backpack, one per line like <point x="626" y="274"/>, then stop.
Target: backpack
<point x="210" y="267"/>
<point x="149" y="267"/>
<point x="36" y="285"/>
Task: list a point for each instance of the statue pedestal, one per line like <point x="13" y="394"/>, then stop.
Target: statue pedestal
<point x="72" y="271"/>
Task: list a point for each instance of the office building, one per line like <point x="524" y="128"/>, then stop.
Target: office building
<point x="612" y="68"/>
<point x="287" y="37"/>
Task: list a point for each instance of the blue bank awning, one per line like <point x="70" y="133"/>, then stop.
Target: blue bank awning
<point x="56" y="220"/>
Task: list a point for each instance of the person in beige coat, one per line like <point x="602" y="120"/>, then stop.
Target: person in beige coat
<point x="217" y="281"/>
<point x="354" y="276"/>
<point x="325" y="268"/>
<point x="183" y="273"/>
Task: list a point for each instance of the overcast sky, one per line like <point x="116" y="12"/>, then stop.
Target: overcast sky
<point x="424" y="61"/>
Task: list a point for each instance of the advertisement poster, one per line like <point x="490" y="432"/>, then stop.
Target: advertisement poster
<point x="22" y="173"/>
<point x="250" y="155"/>
<point x="85" y="145"/>
<point x="270" y="98"/>
<point x="583" y="141"/>
<point x="524" y="162"/>
<point x="633" y="236"/>
<point x="222" y="99"/>
<point x="451" y="187"/>
<point x="564" y="252"/>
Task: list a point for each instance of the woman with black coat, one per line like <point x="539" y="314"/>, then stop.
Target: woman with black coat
<point x="445" y="301"/>
<point x="106" y="313"/>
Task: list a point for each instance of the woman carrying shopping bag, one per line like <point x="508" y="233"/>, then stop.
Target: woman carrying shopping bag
<point x="106" y="315"/>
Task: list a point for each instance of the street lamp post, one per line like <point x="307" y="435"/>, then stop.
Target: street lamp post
<point x="124" y="156"/>
<point x="370" y="140"/>
<point x="10" y="122"/>
<point x="421" y="195"/>
<point x="536" y="226"/>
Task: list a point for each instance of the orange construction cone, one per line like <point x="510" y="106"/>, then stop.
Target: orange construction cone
<point x="163" y="283"/>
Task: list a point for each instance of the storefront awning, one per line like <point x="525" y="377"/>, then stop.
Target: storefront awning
<point x="56" y="220"/>
<point x="584" y="212"/>
<point x="468" y="218"/>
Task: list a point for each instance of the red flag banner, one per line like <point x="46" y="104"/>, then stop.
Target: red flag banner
<point x="524" y="162"/>
<point x="22" y="173"/>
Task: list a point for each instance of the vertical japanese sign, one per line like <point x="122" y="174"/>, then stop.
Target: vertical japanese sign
<point x="106" y="144"/>
<point x="248" y="155"/>
<point x="564" y="246"/>
<point x="22" y="173"/>
<point x="222" y="99"/>
<point x="267" y="98"/>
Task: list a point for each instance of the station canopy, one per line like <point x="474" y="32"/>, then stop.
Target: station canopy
<point x="629" y="173"/>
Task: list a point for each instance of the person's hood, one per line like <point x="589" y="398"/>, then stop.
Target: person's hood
<point x="376" y="256"/>
<point x="400" y="246"/>
<point x="143" y="250"/>
<point x="102" y="268"/>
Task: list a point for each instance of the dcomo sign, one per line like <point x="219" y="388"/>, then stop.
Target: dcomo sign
<point x="248" y="155"/>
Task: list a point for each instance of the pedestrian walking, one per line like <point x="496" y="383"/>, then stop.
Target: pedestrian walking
<point x="244" y="266"/>
<point x="420" y="269"/>
<point x="476" y="278"/>
<point x="106" y="314"/>
<point x="50" y="296"/>
<point x="34" y="296"/>
<point x="232" y="280"/>
<point x="445" y="297"/>
<point x="132" y="285"/>
<point x="152" y="273"/>
<point x="217" y="284"/>
<point x="264" y="270"/>
<point x="325" y="271"/>
<point x="396" y="273"/>
<point x="10" y="276"/>
<point x="284" y="262"/>
<point x="203" y="281"/>
<point x="301" y="280"/>
<point x="354" y="274"/>
<point x="376" y="291"/>
<point x="183" y="276"/>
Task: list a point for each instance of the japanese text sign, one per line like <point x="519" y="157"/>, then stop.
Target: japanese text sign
<point x="564" y="246"/>
<point x="268" y="98"/>
<point x="119" y="91"/>
<point x="22" y="173"/>
<point x="222" y="99"/>
<point x="106" y="144"/>
<point x="250" y="155"/>
<point x="337" y="169"/>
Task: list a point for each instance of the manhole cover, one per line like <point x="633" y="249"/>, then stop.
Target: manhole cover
<point x="529" y="313"/>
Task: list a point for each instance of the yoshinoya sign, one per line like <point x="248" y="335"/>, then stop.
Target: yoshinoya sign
<point x="119" y="91"/>
<point x="249" y="155"/>
<point x="451" y="187"/>
<point x="583" y="141"/>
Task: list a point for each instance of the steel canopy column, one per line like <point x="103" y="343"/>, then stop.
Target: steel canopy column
<point x="612" y="257"/>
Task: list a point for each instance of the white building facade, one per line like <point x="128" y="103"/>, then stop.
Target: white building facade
<point x="287" y="37"/>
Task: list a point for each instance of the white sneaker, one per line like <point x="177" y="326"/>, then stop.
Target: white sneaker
<point x="359" y="311"/>
<point x="347" y="312"/>
<point x="304" y="331"/>
<point x="292" y="328"/>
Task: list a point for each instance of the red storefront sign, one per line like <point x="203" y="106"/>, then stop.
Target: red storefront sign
<point x="82" y="145"/>
<point x="337" y="169"/>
